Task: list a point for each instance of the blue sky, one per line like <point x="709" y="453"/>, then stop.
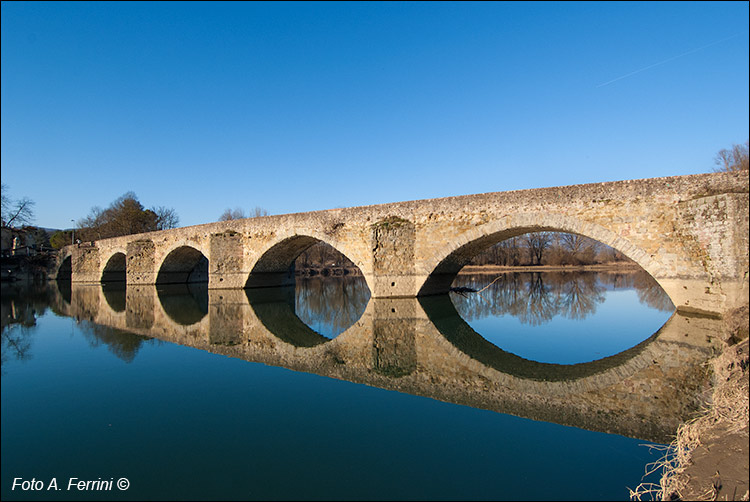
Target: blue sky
<point x="303" y="106"/>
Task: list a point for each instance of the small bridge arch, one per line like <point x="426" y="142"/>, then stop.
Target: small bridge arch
<point x="115" y="269"/>
<point x="183" y="263"/>
<point x="275" y="265"/>
<point x="64" y="270"/>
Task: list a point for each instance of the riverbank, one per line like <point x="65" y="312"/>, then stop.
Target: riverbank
<point x="709" y="457"/>
<point x="23" y="268"/>
<point x="618" y="266"/>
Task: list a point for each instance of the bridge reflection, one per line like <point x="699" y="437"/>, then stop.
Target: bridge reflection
<point x="421" y="347"/>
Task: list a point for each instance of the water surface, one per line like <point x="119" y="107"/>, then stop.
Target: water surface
<point x="273" y="394"/>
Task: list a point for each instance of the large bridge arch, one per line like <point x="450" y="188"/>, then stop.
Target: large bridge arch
<point x="182" y="263"/>
<point x="441" y="268"/>
<point x="274" y="265"/>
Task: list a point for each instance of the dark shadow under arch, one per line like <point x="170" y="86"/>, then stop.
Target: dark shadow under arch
<point x="65" y="272"/>
<point x="276" y="267"/>
<point x="183" y="265"/>
<point x="115" y="269"/>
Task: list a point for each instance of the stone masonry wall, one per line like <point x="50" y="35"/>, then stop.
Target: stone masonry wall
<point x="689" y="232"/>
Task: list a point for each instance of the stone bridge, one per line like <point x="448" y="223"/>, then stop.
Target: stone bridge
<point x="689" y="232"/>
<point x="423" y="347"/>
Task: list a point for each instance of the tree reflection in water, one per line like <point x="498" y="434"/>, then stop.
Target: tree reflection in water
<point x="16" y="343"/>
<point x="121" y="343"/>
<point x="536" y="297"/>
<point x="20" y="307"/>
<point x="330" y="305"/>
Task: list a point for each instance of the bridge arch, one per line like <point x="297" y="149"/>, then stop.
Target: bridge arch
<point x="115" y="270"/>
<point x="65" y="269"/>
<point x="183" y="263"/>
<point x="443" y="266"/>
<point x="275" y="265"/>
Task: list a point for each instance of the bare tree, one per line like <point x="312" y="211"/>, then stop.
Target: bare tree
<point x="232" y="214"/>
<point x="258" y="211"/>
<point x="734" y="159"/>
<point x="22" y="213"/>
<point x="581" y="250"/>
<point x="5" y="200"/>
<point x="15" y="213"/>
<point x="166" y="218"/>
<point x="573" y="242"/>
<point x="93" y="222"/>
<point x="238" y="213"/>
<point x="537" y="243"/>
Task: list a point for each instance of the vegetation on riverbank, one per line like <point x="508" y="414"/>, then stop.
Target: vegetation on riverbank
<point x="708" y="460"/>
<point x="594" y="267"/>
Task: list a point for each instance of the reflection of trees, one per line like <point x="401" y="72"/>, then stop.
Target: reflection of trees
<point x="648" y="290"/>
<point x="121" y="343"/>
<point x="650" y="293"/>
<point x="539" y="306"/>
<point x="578" y="298"/>
<point x="536" y="297"/>
<point x="16" y="343"/>
<point x="19" y="309"/>
<point x="331" y="303"/>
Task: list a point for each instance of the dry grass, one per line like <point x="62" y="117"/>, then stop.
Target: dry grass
<point x="728" y="409"/>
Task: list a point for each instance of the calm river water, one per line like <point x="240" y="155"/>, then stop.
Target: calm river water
<point x="542" y="386"/>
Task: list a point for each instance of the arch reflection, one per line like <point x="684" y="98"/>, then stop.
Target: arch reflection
<point x="314" y="311"/>
<point x="458" y="332"/>
<point x="115" y="295"/>
<point x="185" y="304"/>
<point x="540" y="315"/>
<point x="424" y="347"/>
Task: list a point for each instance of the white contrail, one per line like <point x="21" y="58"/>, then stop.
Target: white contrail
<point x="667" y="60"/>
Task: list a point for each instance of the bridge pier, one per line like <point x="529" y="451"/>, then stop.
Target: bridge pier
<point x="393" y="256"/>
<point x="141" y="262"/>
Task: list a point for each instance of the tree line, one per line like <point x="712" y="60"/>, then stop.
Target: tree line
<point x="548" y="248"/>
